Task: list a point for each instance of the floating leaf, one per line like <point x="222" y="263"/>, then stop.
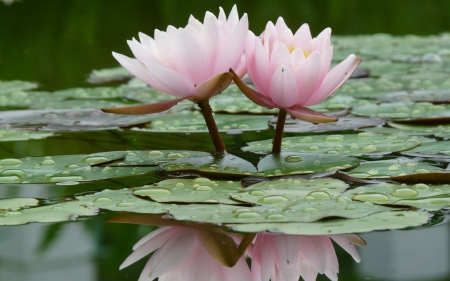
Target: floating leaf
<point x="391" y="168"/>
<point x="348" y="144"/>
<point x="419" y="111"/>
<point x="123" y="200"/>
<point x="107" y="75"/>
<point x="339" y="102"/>
<point x="51" y="213"/>
<point x="434" y="96"/>
<point x="343" y="124"/>
<point x="193" y="121"/>
<point x="23" y="100"/>
<point x="156" y="157"/>
<point x="422" y="196"/>
<point x="15" y="86"/>
<point x="377" y="221"/>
<point x="199" y="190"/>
<point x="12" y="135"/>
<point x="303" y="163"/>
<point x="431" y="149"/>
<point x="14" y="204"/>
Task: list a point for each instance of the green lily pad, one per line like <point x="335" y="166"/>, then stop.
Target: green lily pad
<point x="64" y="168"/>
<point x="13" y="135"/>
<point x="377" y="221"/>
<point x="442" y="131"/>
<point x="303" y="163"/>
<point x="123" y="200"/>
<point x="430" y="149"/>
<point x="14" y="204"/>
<point x="391" y="168"/>
<point x="107" y="75"/>
<point x="193" y="121"/>
<point x="341" y="101"/>
<point x="15" y="86"/>
<point x="343" y="124"/>
<point x="422" y="196"/>
<point x="156" y="157"/>
<point x="433" y="96"/>
<point x="348" y="144"/>
<point x="81" y="104"/>
<point x="418" y="110"/>
<point x="199" y="190"/>
<point x="369" y="88"/>
<point x="26" y="99"/>
<point x="51" y="213"/>
<point x="68" y="119"/>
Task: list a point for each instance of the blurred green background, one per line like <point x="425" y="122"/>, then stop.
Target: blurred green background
<point x="58" y="42"/>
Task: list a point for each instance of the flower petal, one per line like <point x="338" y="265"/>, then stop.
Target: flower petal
<point x="281" y="26"/>
<point x="345" y="244"/>
<point x="307" y="77"/>
<point x="288" y="247"/>
<point x="169" y="81"/>
<point x="213" y="86"/>
<point x="141" y="52"/>
<point x="150" y="236"/>
<point x="313" y="250"/>
<point x="173" y="252"/>
<point x="195" y="23"/>
<point x="234" y="48"/>
<point x="233" y="18"/>
<point x="220" y="246"/>
<point x="280" y="56"/>
<point x="133" y="66"/>
<point x="240" y="272"/>
<point x="303" y="36"/>
<point x="258" y="68"/>
<point x="283" y="87"/>
<point x="334" y="79"/>
<point x="309" y="115"/>
<point x="144" y="108"/>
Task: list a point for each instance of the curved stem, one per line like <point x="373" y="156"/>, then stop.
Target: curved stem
<point x="212" y="127"/>
<point x="276" y="146"/>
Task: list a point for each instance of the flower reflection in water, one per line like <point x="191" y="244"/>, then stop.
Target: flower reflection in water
<point x="205" y="252"/>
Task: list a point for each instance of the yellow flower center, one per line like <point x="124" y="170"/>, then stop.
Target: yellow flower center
<point x="292" y="48"/>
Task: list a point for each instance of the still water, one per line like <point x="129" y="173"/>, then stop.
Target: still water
<point x="57" y="43"/>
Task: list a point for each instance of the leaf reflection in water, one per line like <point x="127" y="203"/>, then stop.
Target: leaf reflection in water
<point x="199" y="252"/>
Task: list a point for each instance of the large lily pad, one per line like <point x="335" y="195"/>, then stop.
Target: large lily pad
<point x="51" y="213"/>
<point x="377" y="221"/>
<point x="391" y="168"/>
<point x="431" y="149"/>
<point x="423" y="196"/>
<point x="432" y="96"/>
<point x="418" y="110"/>
<point x="13" y="135"/>
<point x="339" y="102"/>
<point x="14" y="204"/>
<point x="16" y="85"/>
<point x="193" y="121"/>
<point x="109" y="75"/>
<point x="69" y="119"/>
<point x="63" y="168"/>
<point x="348" y="144"/>
<point x="286" y="163"/>
<point x="343" y="124"/>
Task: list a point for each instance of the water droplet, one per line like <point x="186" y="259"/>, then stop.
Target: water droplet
<point x="202" y="180"/>
<point x="273" y="199"/>
<point x="293" y="158"/>
<point x="231" y="169"/>
<point x="155" y="153"/>
<point x="334" y="152"/>
<point x="10" y="179"/>
<point x="14" y="172"/>
<point x="319" y="194"/>
<point x="63" y="179"/>
<point x="171" y="167"/>
<point x="125" y="205"/>
<point x="203" y="188"/>
<point x="152" y="192"/>
<point x="241" y="210"/>
<point x="310" y="210"/>
<point x="421" y="186"/>
<point x="247" y="215"/>
<point x="275" y="217"/>
<point x="211" y="201"/>
<point x="313" y="148"/>
<point x="10" y="161"/>
<point x="350" y="208"/>
<point x="372" y="197"/>
<point x="336" y="138"/>
<point x="73" y="166"/>
<point x="372" y="172"/>
<point x="243" y="126"/>
<point x="106" y="169"/>
<point x="257" y="193"/>
<point x="174" y="155"/>
<point x="95" y="159"/>
<point x="411" y="164"/>
<point x="393" y="167"/>
<point x="369" y="148"/>
<point x="57" y="208"/>
<point x="179" y="184"/>
<point x="404" y="192"/>
<point x="421" y="171"/>
<point x="364" y="135"/>
<point x="103" y="200"/>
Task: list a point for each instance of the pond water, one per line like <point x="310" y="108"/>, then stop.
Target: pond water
<point x="58" y="43"/>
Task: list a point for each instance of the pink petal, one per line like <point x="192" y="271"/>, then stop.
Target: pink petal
<point x="303" y="36"/>
<point x="241" y="68"/>
<point x="169" y="81"/>
<point x="280" y="56"/>
<point x="195" y="23"/>
<point x="253" y="95"/>
<point x="307" y="77"/>
<point x="146" y="41"/>
<point x="269" y="36"/>
<point x="222" y="17"/>
<point x="234" y="47"/>
<point x="332" y="260"/>
<point x="331" y="274"/>
<point x="322" y="41"/>
<point x="150" y="245"/>
<point x="213" y="86"/>
<point x="144" y="108"/>
<point x="345" y="244"/>
<point x="211" y="38"/>
<point x="150" y="236"/>
<point x="326" y="57"/>
<point x="258" y="68"/>
<point x="240" y="272"/>
<point x="233" y="18"/>
<point x="297" y="59"/>
<point x="190" y="57"/>
<point x="165" y="45"/>
<point x="201" y="267"/>
<point x="267" y="256"/>
<point x="283" y="87"/>
<point x="173" y="252"/>
<point x="314" y="251"/>
<point x="334" y="79"/>
<point x="288" y="247"/>
<point x="309" y="115"/>
<point x="287" y="37"/>
<point x="135" y="67"/>
<point x="142" y="53"/>
<point x="281" y="26"/>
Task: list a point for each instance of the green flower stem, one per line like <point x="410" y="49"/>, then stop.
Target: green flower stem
<point x="212" y="127"/>
<point x="276" y="146"/>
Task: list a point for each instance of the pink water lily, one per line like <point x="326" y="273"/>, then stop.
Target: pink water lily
<point x="184" y="253"/>
<point x="188" y="63"/>
<point x="279" y="257"/>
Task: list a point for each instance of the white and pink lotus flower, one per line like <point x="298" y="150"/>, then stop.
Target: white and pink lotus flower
<point x="185" y="253"/>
